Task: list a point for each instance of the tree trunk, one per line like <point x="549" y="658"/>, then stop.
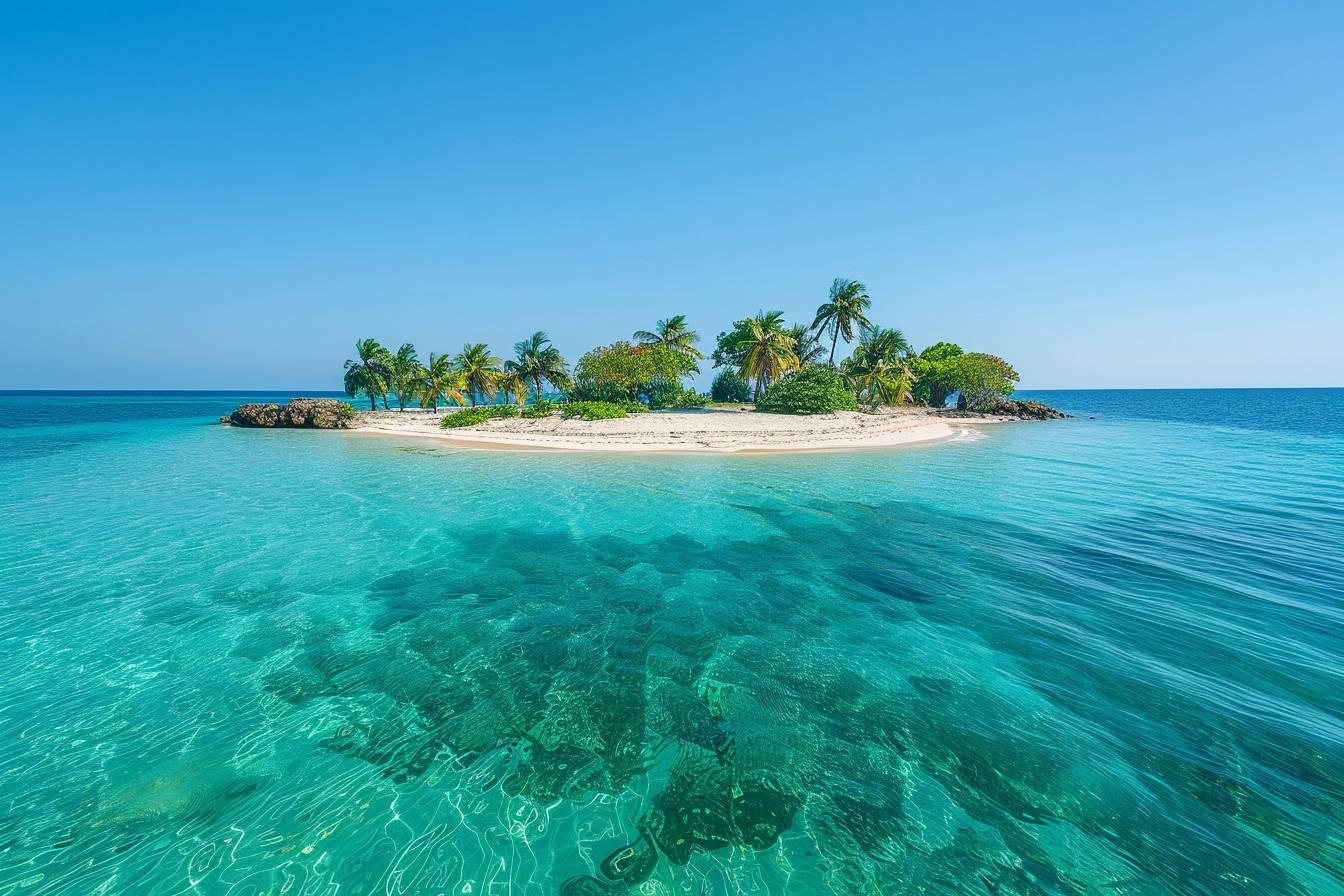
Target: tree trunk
<point x="373" y="401"/>
<point x="835" y="337"/>
<point x="536" y="379"/>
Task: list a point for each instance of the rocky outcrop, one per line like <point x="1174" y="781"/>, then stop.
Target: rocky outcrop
<point x="1022" y="410"/>
<point x="1006" y="409"/>
<point x="311" y="413"/>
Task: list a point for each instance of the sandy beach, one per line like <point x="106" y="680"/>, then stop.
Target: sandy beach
<point x="698" y="430"/>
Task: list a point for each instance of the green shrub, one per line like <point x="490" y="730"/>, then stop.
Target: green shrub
<point x="539" y="409"/>
<point x="730" y="386"/>
<point x="586" y="390"/>
<point x="666" y="393"/>
<point x="478" y="415"/>
<point x="813" y="390"/>
<point x="594" y="410"/>
<point x="631" y="407"/>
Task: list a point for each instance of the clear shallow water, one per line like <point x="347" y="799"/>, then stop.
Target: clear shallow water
<point x="1095" y="656"/>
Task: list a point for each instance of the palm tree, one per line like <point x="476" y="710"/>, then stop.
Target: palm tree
<point x="881" y="383"/>
<point x="884" y="343"/>
<point x="404" y="372"/>
<point x="514" y="383"/>
<point x="440" y="379"/>
<point x="538" y="360"/>
<point x="806" y="345"/>
<point x="672" y="333"/>
<point x="480" y="370"/>
<point x="368" y="374"/>
<point x="879" y="370"/>
<point x="843" y="312"/>
<point x="767" y="350"/>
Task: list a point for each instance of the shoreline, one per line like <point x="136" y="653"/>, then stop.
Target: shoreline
<point x="701" y="431"/>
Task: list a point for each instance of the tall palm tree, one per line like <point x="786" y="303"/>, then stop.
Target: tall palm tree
<point x="673" y="333"/>
<point x="538" y="360"/>
<point x="480" y="370"/>
<point x="843" y="312"/>
<point x="767" y="350"/>
<point x="404" y="372"/>
<point x="440" y="379"/>
<point x="806" y="345"/>
<point x="369" y="373"/>
<point x="879" y="369"/>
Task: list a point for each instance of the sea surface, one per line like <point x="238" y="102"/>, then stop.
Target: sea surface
<point x="1102" y="655"/>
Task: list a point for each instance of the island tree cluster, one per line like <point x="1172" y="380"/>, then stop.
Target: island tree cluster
<point x="782" y="366"/>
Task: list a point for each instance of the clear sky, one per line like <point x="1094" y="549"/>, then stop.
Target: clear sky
<point x="227" y="195"/>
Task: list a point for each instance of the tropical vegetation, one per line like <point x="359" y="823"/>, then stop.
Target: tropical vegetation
<point x="673" y="333"/>
<point x="878" y="372"/>
<point x="538" y="361"/>
<point x="600" y="410"/>
<point x="368" y="374"/>
<point x="818" y="389"/>
<point x="403" y="374"/>
<point x="630" y="371"/>
<point x="730" y="386"/>
<point x="474" y="416"/>
<point x="480" y="370"/>
<point x="767" y="350"/>
<point x="784" y="367"/>
<point x="541" y="408"/>
<point x="843" y="312"/>
<point x="440" y="379"/>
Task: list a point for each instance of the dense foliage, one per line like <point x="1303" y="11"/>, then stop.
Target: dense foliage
<point x="813" y="390"/>
<point x="730" y="386"/>
<point x="943" y="370"/>
<point x="981" y="379"/>
<point x="933" y="374"/>
<point x="627" y="370"/>
<point x="879" y="370"/>
<point x="596" y="410"/>
<point x="663" y="393"/>
<point x="538" y="409"/>
<point x="474" y="416"/>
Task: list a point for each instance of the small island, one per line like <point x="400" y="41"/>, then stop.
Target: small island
<point x="779" y="388"/>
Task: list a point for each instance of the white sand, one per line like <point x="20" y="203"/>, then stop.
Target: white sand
<point x="707" y="430"/>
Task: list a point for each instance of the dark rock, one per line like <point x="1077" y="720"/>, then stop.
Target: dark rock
<point x="1022" y="410"/>
<point x="314" y="413"/>
<point x="256" y="415"/>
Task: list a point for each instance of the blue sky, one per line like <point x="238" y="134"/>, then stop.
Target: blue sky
<point x="1109" y="195"/>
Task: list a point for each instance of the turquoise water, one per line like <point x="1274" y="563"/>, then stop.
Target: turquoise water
<point x="1097" y="656"/>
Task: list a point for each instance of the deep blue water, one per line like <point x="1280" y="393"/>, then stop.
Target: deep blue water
<point x="1102" y="655"/>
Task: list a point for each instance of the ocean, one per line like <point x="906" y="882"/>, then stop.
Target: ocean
<point x="1103" y="655"/>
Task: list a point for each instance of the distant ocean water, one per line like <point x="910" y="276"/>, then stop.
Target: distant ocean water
<point x="1095" y="656"/>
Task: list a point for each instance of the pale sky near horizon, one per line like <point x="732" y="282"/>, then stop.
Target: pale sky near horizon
<point x="219" y="195"/>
